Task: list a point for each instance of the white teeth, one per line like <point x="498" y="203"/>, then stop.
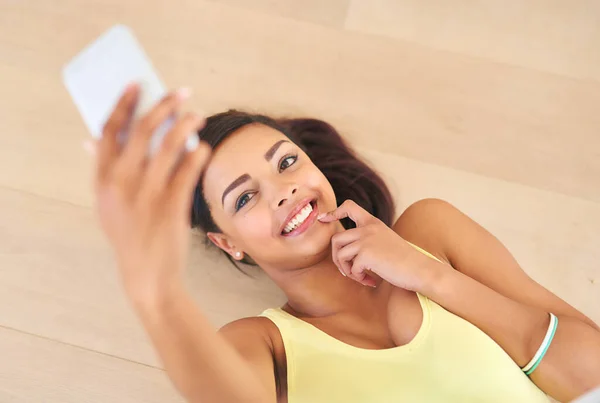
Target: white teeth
<point x="299" y="218"/>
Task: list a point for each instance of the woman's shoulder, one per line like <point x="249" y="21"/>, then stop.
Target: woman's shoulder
<point x="424" y="213"/>
<point x="254" y="332"/>
<point x="258" y="340"/>
<point x="426" y="224"/>
<point x="257" y="327"/>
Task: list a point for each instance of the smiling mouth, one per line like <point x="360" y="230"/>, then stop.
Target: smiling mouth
<point x="301" y="220"/>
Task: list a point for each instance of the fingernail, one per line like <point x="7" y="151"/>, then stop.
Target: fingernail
<point x="89" y="147"/>
<point x="184" y="93"/>
<point x="322" y="215"/>
<point x="131" y="86"/>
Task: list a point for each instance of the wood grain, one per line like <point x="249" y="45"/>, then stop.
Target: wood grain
<point x="508" y="133"/>
<point x="57" y="279"/>
<point x="331" y="13"/>
<point x="35" y="369"/>
<point x="548" y="35"/>
<point x="523" y="125"/>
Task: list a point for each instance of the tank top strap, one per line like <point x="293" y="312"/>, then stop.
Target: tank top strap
<point x="295" y="331"/>
<point x="290" y="326"/>
<point x="423" y="251"/>
<point x="282" y="319"/>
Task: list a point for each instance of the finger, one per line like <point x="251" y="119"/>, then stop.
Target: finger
<point x="186" y="176"/>
<point x="346" y="256"/>
<point x="341" y="239"/>
<point x="164" y="162"/>
<point x="347" y="209"/>
<point x="90" y="147"/>
<point x="360" y="273"/>
<point x="108" y="147"/>
<point x="138" y="144"/>
<point x="345" y="237"/>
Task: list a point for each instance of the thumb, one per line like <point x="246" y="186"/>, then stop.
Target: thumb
<point x="190" y="169"/>
<point x="348" y="209"/>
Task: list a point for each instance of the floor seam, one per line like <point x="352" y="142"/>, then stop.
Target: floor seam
<point x="64" y="343"/>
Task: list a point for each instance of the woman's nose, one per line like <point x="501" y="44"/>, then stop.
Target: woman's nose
<point x="285" y="195"/>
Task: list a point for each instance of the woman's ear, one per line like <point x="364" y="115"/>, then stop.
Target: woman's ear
<point x="223" y="242"/>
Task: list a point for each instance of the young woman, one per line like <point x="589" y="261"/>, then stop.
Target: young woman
<point x="370" y="317"/>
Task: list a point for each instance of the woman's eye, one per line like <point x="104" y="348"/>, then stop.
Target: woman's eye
<point x="241" y="202"/>
<point x="287" y="162"/>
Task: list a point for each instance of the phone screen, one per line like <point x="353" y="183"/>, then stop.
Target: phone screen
<point x="98" y="75"/>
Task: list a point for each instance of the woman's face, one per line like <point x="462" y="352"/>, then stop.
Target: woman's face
<point x="264" y="193"/>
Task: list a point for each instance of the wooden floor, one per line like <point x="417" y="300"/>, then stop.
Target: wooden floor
<point x="492" y="105"/>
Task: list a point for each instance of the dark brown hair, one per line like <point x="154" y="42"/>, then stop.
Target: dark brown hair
<point x="349" y="177"/>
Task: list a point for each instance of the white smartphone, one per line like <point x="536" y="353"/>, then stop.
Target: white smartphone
<point x="99" y="74"/>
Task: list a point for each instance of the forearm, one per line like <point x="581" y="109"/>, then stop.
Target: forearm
<point x="571" y="365"/>
<point x="203" y="366"/>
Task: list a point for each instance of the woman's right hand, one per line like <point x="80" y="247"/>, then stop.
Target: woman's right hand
<point x="144" y="203"/>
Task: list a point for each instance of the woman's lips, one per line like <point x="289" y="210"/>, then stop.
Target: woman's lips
<point x="312" y="217"/>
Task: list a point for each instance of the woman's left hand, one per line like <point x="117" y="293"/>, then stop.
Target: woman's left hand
<point x="374" y="247"/>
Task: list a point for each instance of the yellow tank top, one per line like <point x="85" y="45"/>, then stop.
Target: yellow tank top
<point x="449" y="360"/>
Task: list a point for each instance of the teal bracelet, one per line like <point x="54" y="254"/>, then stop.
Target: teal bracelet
<point x="544" y="346"/>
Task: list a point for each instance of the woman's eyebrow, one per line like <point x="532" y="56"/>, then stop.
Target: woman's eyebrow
<point x="243" y="178"/>
<point x="271" y="151"/>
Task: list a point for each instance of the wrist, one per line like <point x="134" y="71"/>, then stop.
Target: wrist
<point x="433" y="275"/>
<point x="155" y="299"/>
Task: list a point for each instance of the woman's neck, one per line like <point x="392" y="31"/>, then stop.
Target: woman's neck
<point x="321" y="290"/>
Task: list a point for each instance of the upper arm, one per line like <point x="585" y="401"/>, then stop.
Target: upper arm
<point x="253" y="344"/>
<point x="444" y="231"/>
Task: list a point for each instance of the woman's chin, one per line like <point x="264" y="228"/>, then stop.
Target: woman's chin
<point x="318" y="243"/>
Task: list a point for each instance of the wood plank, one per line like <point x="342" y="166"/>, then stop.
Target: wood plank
<point x="508" y="122"/>
<point x="424" y="116"/>
<point x="549" y="35"/>
<point x="331" y="13"/>
<point x="33" y="369"/>
<point x="57" y="279"/>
